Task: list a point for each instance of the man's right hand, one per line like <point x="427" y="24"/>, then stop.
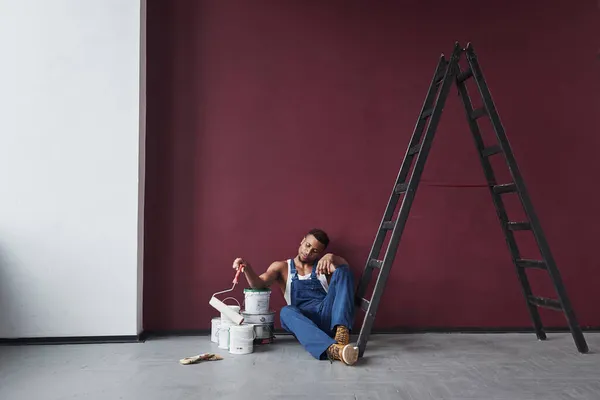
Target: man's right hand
<point x="240" y="262"/>
<point x="272" y="274"/>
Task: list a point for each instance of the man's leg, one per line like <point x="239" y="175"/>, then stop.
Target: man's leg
<point x="337" y="314"/>
<point x="337" y="308"/>
<point x="313" y="339"/>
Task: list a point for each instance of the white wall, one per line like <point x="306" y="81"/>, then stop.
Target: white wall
<point x="142" y="168"/>
<point x="69" y="179"/>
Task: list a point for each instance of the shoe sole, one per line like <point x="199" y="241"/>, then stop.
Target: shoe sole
<point x="350" y="354"/>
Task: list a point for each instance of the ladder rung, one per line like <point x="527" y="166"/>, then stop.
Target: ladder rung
<point x="464" y="76"/>
<point x="478" y="113"/>
<point x="388" y="225"/>
<point x="427" y="113"/>
<point x="364" y="304"/>
<point x="505" y="188"/>
<point x="545" y="302"/>
<point x="490" y="151"/>
<point x="414" y="150"/>
<point x="373" y="263"/>
<point x="525" y="263"/>
<point x="519" y="226"/>
<point x="401" y="188"/>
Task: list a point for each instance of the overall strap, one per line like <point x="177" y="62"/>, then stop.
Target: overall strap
<point x="313" y="274"/>
<point x="293" y="272"/>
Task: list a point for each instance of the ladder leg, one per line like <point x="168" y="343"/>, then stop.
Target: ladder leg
<point x="421" y="149"/>
<point x="499" y="205"/>
<point x="518" y="185"/>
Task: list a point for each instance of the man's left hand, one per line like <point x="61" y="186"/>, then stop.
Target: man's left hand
<point x="326" y="265"/>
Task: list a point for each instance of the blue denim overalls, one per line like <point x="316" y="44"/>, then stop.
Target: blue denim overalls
<point x="314" y="313"/>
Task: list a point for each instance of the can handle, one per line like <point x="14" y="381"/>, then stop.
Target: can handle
<point x="232" y="298"/>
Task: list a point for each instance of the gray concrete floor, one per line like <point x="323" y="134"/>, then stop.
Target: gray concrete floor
<point x="413" y="366"/>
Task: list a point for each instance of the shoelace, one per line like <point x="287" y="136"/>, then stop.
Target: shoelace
<point x="330" y="352"/>
<point x="342" y="337"/>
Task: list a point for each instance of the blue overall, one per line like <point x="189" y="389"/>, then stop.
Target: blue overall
<point x="313" y="314"/>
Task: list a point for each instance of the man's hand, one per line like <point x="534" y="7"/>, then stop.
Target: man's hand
<point x="255" y="281"/>
<point x="240" y="262"/>
<point x="326" y="265"/>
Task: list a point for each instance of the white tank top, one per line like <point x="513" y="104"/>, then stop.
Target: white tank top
<point x="288" y="285"/>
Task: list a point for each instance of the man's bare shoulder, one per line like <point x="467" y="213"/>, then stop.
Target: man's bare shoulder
<point x="279" y="270"/>
<point x="279" y="265"/>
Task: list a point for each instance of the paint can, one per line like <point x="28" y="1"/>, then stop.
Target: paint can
<point x="224" y="333"/>
<point x="256" y="301"/>
<point x="259" y="318"/>
<point x="241" y="339"/>
<point x="264" y="325"/>
<point x="264" y="332"/>
<point x="214" y="329"/>
<point x="262" y="318"/>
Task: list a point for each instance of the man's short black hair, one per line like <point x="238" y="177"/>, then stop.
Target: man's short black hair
<point x="320" y="235"/>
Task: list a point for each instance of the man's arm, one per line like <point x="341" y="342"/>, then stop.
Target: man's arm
<point x="329" y="262"/>
<point x="337" y="260"/>
<point x="264" y="280"/>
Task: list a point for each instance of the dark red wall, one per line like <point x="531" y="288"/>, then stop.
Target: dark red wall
<point x="267" y="118"/>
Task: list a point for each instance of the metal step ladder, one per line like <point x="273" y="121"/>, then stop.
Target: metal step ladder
<point x="446" y="74"/>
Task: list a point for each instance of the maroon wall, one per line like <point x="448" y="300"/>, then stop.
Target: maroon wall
<point x="267" y="118"/>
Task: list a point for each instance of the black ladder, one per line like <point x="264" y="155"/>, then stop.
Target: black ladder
<point x="405" y="187"/>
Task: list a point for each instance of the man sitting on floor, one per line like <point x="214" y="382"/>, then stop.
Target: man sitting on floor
<point x="319" y="294"/>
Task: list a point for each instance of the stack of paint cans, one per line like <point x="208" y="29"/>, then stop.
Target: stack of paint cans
<point x="257" y="312"/>
<point x="219" y="332"/>
<point x="238" y="339"/>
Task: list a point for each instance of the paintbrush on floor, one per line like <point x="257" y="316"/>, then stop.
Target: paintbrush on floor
<point x="199" y="358"/>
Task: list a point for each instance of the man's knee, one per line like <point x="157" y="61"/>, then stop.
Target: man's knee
<point x="342" y="269"/>
<point x="343" y="272"/>
<point x="286" y="312"/>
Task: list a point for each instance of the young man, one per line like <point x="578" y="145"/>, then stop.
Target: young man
<point x="319" y="292"/>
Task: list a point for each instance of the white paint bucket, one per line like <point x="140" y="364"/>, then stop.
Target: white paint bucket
<point x="241" y="339"/>
<point x="264" y="318"/>
<point x="256" y="301"/>
<point x="224" y="334"/>
<point x="264" y="331"/>
<point x="214" y="329"/>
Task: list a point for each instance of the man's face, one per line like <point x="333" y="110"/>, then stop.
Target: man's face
<point x="310" y="249"/>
